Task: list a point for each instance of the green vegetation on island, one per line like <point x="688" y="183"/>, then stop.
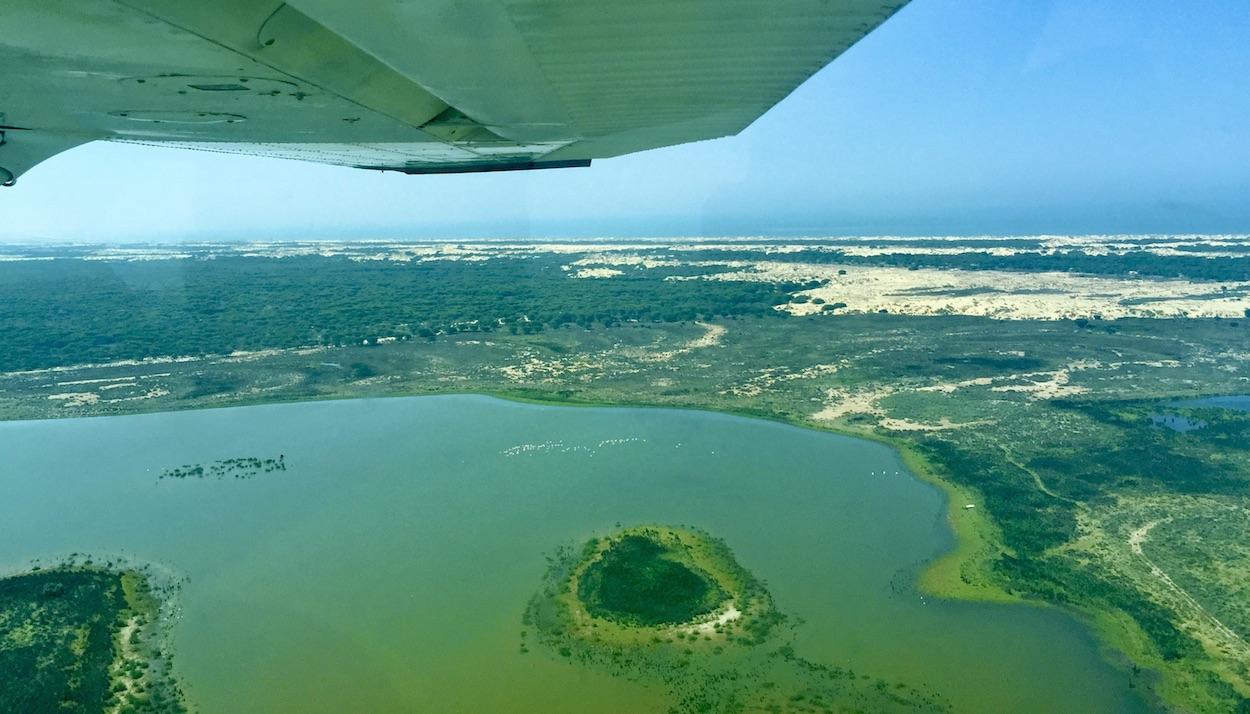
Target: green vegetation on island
<point x="640" y="580"/>
<point x="660" y="582"/>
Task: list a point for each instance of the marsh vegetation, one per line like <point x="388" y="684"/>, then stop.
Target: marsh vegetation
<point x="84" y="639"/>
<point x="243" y="467"/>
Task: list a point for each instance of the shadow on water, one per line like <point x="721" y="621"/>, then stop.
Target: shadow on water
<point x="1237" y="402"/>
<point x="1181" y="423"/>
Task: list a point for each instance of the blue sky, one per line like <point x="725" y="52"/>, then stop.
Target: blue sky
<point x="955" y="117"/>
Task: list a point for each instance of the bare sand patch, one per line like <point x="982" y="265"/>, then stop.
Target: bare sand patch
<point x="943" y="424"/>
<point x="150" y="394"/>
<point x="617" y="259"/>
<point x="949" y="387"/>
<point x="76" y="399"/>
<point x="1051" y="385"/>
<point x="990" y="293"/>
<point x="725" y="615"/>
<point x="840" y="402"/>
<point x="710" y="338"/>
<point x="532" y="367"/>
<point x="597" y="273"/>
<point x="771" y="376"/>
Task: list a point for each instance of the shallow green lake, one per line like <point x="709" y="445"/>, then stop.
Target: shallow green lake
<point x="388" y="567"/>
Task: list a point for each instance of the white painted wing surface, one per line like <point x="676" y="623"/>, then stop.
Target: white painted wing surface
<point x="418" y="86"/>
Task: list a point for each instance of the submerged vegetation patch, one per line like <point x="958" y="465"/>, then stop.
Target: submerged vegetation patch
<point x="242" y="468"/>
<point x="86" y="639"/>
<point x="672" y="606"/>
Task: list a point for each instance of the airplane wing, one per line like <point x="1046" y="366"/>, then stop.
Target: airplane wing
<point x="418" y="86"/>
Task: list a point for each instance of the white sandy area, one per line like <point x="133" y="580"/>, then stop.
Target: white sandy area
<point x="840" y="402"/>
<point x="1053" y="383"/>
<point x="771" y="376"/>
<point x="616" y="259"/>
<point x="99" y="365"/>
<point x="1235" y="246"/>
<point x="728" y="614"/>
<point x="711" y="337"/>
<point x="996" y="294"/>
<point x="117" y="385"/>
<point x="250" y="355"/>
<point x="597" y="273"/>
<point x="150" y="394"/>
<point x="118" y="672"/>
<point x="943" y="424"/>
<point x="532" y="367"/>
<point x="1045" y="385"/>
<point x="950" y="387"/>
<point x="75" y="399"/>
<point x="106" y="380"/>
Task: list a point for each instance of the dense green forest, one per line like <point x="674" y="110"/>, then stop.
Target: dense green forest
<point x="635" y="581"/>
<point x="74" y="311"/>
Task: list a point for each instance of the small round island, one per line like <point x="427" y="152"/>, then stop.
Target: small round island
<point x="651" y="585"/>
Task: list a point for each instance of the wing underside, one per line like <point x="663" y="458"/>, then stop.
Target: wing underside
<point x="419" y="86"/>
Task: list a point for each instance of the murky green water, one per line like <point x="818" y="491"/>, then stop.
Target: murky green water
<point x="388" y="567"/>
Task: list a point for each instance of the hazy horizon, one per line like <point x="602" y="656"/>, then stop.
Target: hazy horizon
<point x="660" y="240"/>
